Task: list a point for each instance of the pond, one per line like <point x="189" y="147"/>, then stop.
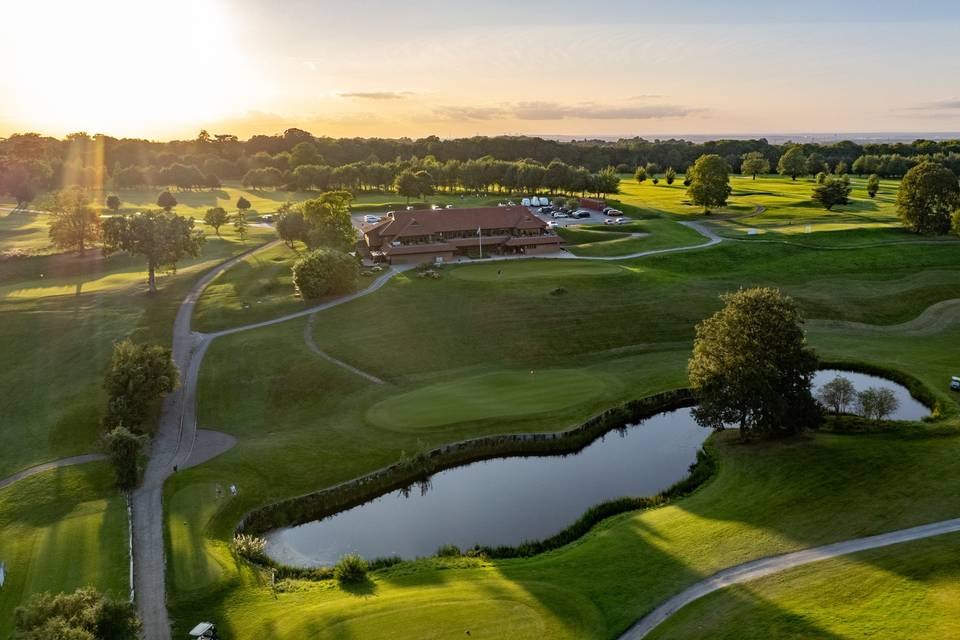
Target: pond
<point x="909" y="409"/>
<point x="505" y="501"/>
<point x="502" y="501"/>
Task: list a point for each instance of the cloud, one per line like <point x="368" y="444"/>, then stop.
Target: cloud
<point x="540" y="110"/>
<point x="936" y="105"/>
<point x="377" y="95"/>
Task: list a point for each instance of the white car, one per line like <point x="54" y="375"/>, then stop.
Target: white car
<point x="371" y="219"/>
<point x="609" y="221"/>
<point x="955" y="383"/>
<point x="560" y="214"/>
<point x="622" y="221"/>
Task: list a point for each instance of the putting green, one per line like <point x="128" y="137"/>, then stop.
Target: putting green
<point x="523" y="269"/>
<point x="492" y="395"/>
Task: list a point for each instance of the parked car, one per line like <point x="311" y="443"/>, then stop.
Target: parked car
<point x="552" y="224"/>
<point x="622" y="221"/>
<point x="582" y="214"/>
<point x="955" y="383"/>
<point x="606" y="209"/>
<point x="371" y="219"/>
<point x="560" y="214"/>
<point x="546" y="210"/>
<point x="449" y="206"/>
<point x="613" y="212"/>
<point x="609" y="221"/>
<point x="266" y="218"/>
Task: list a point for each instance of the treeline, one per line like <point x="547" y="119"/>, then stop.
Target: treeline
<point x="30" y="163"/>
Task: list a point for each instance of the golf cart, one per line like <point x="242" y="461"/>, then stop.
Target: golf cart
<point x="955" y="383"/>
<point x="205" y="631"/>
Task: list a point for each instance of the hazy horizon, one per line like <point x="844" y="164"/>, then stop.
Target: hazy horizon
<point x="453" y="69"/>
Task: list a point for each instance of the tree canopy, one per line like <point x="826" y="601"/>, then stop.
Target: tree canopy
<point x="751" y="367"/>
<point x="166" y="201"/>
<point x="328" y="219"/>
<point x="792" y="163"/>
<point x="76" y="223"/>
<point x="139" y="375"/>
<point x="325" y="272"/>
<point x="162" y="238"/>
<point x="928" y="195"/>
<point x="709" y="182"/>
<point x="833" y="190"/>
<point x="84" y="614"/>
<point x="215" y="217"/>
<point x="754" y="163"/>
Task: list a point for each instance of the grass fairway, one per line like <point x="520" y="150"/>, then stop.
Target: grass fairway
<point x="24" y="232"/>
<point x="506" y="394"/>
<point x="910" y="590"/>
<point x="61" y="530"/>
<point x="533" y="269"/>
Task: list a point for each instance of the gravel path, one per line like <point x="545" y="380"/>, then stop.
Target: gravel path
<point x="774" y="564"/>
<point x="933" y="319"/>
<point x="47" y="466"/>
<point x="176" y="444"/>
<point x="312" y="345"/>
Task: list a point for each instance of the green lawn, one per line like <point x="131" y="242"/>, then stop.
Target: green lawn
<point x="303" y="423"/>
<point x="457" y="354"/>
<point x="61" y="530"/>
<point x="910" y="590"/>
<point x="500" y="395"/>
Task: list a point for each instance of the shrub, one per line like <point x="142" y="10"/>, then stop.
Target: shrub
<point x="351" y="569"/>
<point x="250" y="547"/>
<point x="559" y="291"/>
<point x="325" y="272"/>
<point x="448" y="551"/>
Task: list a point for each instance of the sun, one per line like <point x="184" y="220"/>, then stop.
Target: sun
<point x="122" y="67"/>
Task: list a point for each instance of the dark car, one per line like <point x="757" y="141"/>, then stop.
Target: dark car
<point x="582" y="214"/>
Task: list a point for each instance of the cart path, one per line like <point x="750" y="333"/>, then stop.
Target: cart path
<point x="312" y="345"/>
<point x="774" y="564"/>
<point x="48" y="466"/>
<point x="176" y="446"/>
<point x="933" y="319"/>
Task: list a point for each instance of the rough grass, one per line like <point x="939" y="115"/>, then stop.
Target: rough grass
<point x="500" y="395"/>
<point x="61" y="530"/>
<point x="910" y="590"/>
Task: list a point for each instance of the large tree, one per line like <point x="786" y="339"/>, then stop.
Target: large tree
<point x="873" y="185"/>
<point x="84" y="614"/>
<point x="709" y="182"/>
<point x="162" y="238"/>
<point x="792" y="163"/>
<point x="325" y="272"/>
<point x="832" y="191"/>
<point x="113" y="203"/>
<point x="754" y="163"/>
<point x="329" y="220"/>
<point x="166" y="201"/>
<point x="76" y="223"/>
<point x="215" y="217"/>
<point x="139" y="375"/>
<point x="123" y="448"/>
<point x="751" y="366"/>
<point x="407" y="185"/>
<point x="928" y="195"/>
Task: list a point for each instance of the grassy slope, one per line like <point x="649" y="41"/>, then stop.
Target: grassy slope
<point x="910" y="590"/>
<point x="59" y="316"/>
<point x="61" y="530"/>
<point x="473" y="321"/>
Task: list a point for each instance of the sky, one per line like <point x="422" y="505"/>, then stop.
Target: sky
<point x="164" y="70"/>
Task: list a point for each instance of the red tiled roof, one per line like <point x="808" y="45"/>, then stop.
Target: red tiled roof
<point x="419" y="223"/>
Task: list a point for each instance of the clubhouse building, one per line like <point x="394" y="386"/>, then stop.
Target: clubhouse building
<point x="443" y="235"/>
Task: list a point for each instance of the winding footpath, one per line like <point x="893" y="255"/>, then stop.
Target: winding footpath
<point x="178" y="444"/>
<point x="774" y="564"/>
<point x="48" y="466"/>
